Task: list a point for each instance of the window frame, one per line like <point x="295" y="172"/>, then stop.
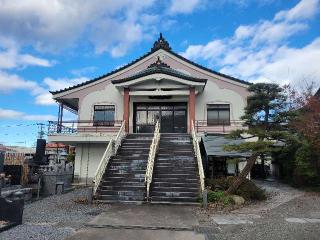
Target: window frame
<point x="218" y="107"/>
<point x="108" y="107"/>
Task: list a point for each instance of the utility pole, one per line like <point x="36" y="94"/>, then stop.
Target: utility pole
<point x="41" y="131"/>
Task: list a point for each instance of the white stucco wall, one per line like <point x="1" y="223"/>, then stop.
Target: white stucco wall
<point x="88" y="156"/>
<point x="107" y="96"/>
<point x="212" y="94"/>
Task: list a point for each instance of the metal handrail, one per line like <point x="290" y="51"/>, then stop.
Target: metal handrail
<point x="152" y="154"/>
<point x="111" y="150"/>
<point x="76" y="126"/>
<point x="197" y="153"/>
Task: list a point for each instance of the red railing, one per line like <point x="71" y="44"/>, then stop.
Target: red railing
<point x="219" y="127"/>
<point x="81" y="126"/>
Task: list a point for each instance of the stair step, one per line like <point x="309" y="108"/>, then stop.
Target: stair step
<point x="174" y="180"/>
<point x="175" y="194"/>
<point x="120" y="198"/>
<point x="175" y="189"/>
<point x="175" y="184"/>
<point x="174" y="199"/>
<point x="121" y="192"/>
<point x="129" y="187"/>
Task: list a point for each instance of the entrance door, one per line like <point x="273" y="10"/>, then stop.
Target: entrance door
<point x="172" y="116"/>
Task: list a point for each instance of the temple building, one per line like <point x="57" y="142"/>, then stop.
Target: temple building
<point x="183" y="97"/>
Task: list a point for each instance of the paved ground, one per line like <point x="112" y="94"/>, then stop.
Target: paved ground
<point x="158" y="222"/>
<point x="136" y="234"/>
<point x="148" y="216"/>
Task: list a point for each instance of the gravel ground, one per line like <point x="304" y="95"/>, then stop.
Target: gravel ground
<point x="267" y="220"/>
<point x="273" y="225"/>
<point x="54" y="217"/>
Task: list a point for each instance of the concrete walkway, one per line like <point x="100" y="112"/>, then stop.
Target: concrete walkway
<point x="142" y="222"/>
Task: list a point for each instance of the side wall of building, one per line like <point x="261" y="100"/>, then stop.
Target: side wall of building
<point x="88" y="156"/>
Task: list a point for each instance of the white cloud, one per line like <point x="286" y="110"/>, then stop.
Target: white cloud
<point x="11" y="82"/>
<point x="209" y="51"/>
<point x="55" y="25"/>
<point x="183" y="6"/>
<point x="11" y="58"/>
<point x="261" y="51"/>
<point x="61" y="83"/>
<point x="305" y="9"/>
<point x="45" y="98"/>
<point x="6" y="114"/>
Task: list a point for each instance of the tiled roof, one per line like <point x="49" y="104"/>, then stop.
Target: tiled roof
<point x="161" y="43"/>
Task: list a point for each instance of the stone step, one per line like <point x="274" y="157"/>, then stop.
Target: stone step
<point x="174" y="199"/>
<point x="174" y="172"/>
<point x="157" y="179"/>
<point x="184" y="175"/>
<point x="175" y="159"/>
<point x="142" y="157"/>
<point x="120" y="198"/>
<point x="175" y="194"/>
<point x="126" y="167"/>
<point x="122" y="179"/>
<point x="137" y="192"/>
<point x="175" y="189"/>
<point x="175" y="184"/>
<point x="139" y="174"/>
<point x="129" y="187"/>
<point x="113" y="172"/>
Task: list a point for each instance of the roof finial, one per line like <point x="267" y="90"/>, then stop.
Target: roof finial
<point x="158" y="64"/>
<point x="161" y="43"/>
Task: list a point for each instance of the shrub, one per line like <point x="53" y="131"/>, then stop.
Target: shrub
<point x="248" y="190"/>
<point x="219" y="196"/>
<point x="305" y="173"/>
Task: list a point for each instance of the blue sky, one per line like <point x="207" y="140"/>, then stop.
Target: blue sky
<point x="48" y="45"/>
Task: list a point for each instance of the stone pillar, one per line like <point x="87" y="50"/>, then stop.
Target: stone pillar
<point x="192" y="106"/>
<point x="126" y="107"/>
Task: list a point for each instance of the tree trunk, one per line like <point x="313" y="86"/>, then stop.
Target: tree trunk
<point x="263" y="172"/>
<point x="242" y="176"/>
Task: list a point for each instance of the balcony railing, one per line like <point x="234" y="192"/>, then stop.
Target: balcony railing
<point x="219" y="127"/>
<point x="83" y="126"/>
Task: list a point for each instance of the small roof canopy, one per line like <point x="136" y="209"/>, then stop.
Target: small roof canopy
<point x="214" y="145"/>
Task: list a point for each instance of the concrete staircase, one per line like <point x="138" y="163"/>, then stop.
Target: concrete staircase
<point x="175" y="177"/>
<point x="124" y="177"/>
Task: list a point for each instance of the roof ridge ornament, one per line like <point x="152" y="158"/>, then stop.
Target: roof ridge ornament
<point x="158" y="64"/>
<point x="161" y="43"/>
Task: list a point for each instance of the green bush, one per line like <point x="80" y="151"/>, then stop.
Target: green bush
<point x="305" y="173"/>
<point x="219" y="196"/>
<point x="248" y="190"/>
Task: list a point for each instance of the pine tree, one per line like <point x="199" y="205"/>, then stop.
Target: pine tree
<point x="266" y="117"/>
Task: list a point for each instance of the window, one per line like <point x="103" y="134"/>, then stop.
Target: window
<point x="218" y="114"/>
<point x="103" y="115"/>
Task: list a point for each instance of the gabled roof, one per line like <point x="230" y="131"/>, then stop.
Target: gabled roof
<point x="160" y="67"/>
<point x="161" y="43"/>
